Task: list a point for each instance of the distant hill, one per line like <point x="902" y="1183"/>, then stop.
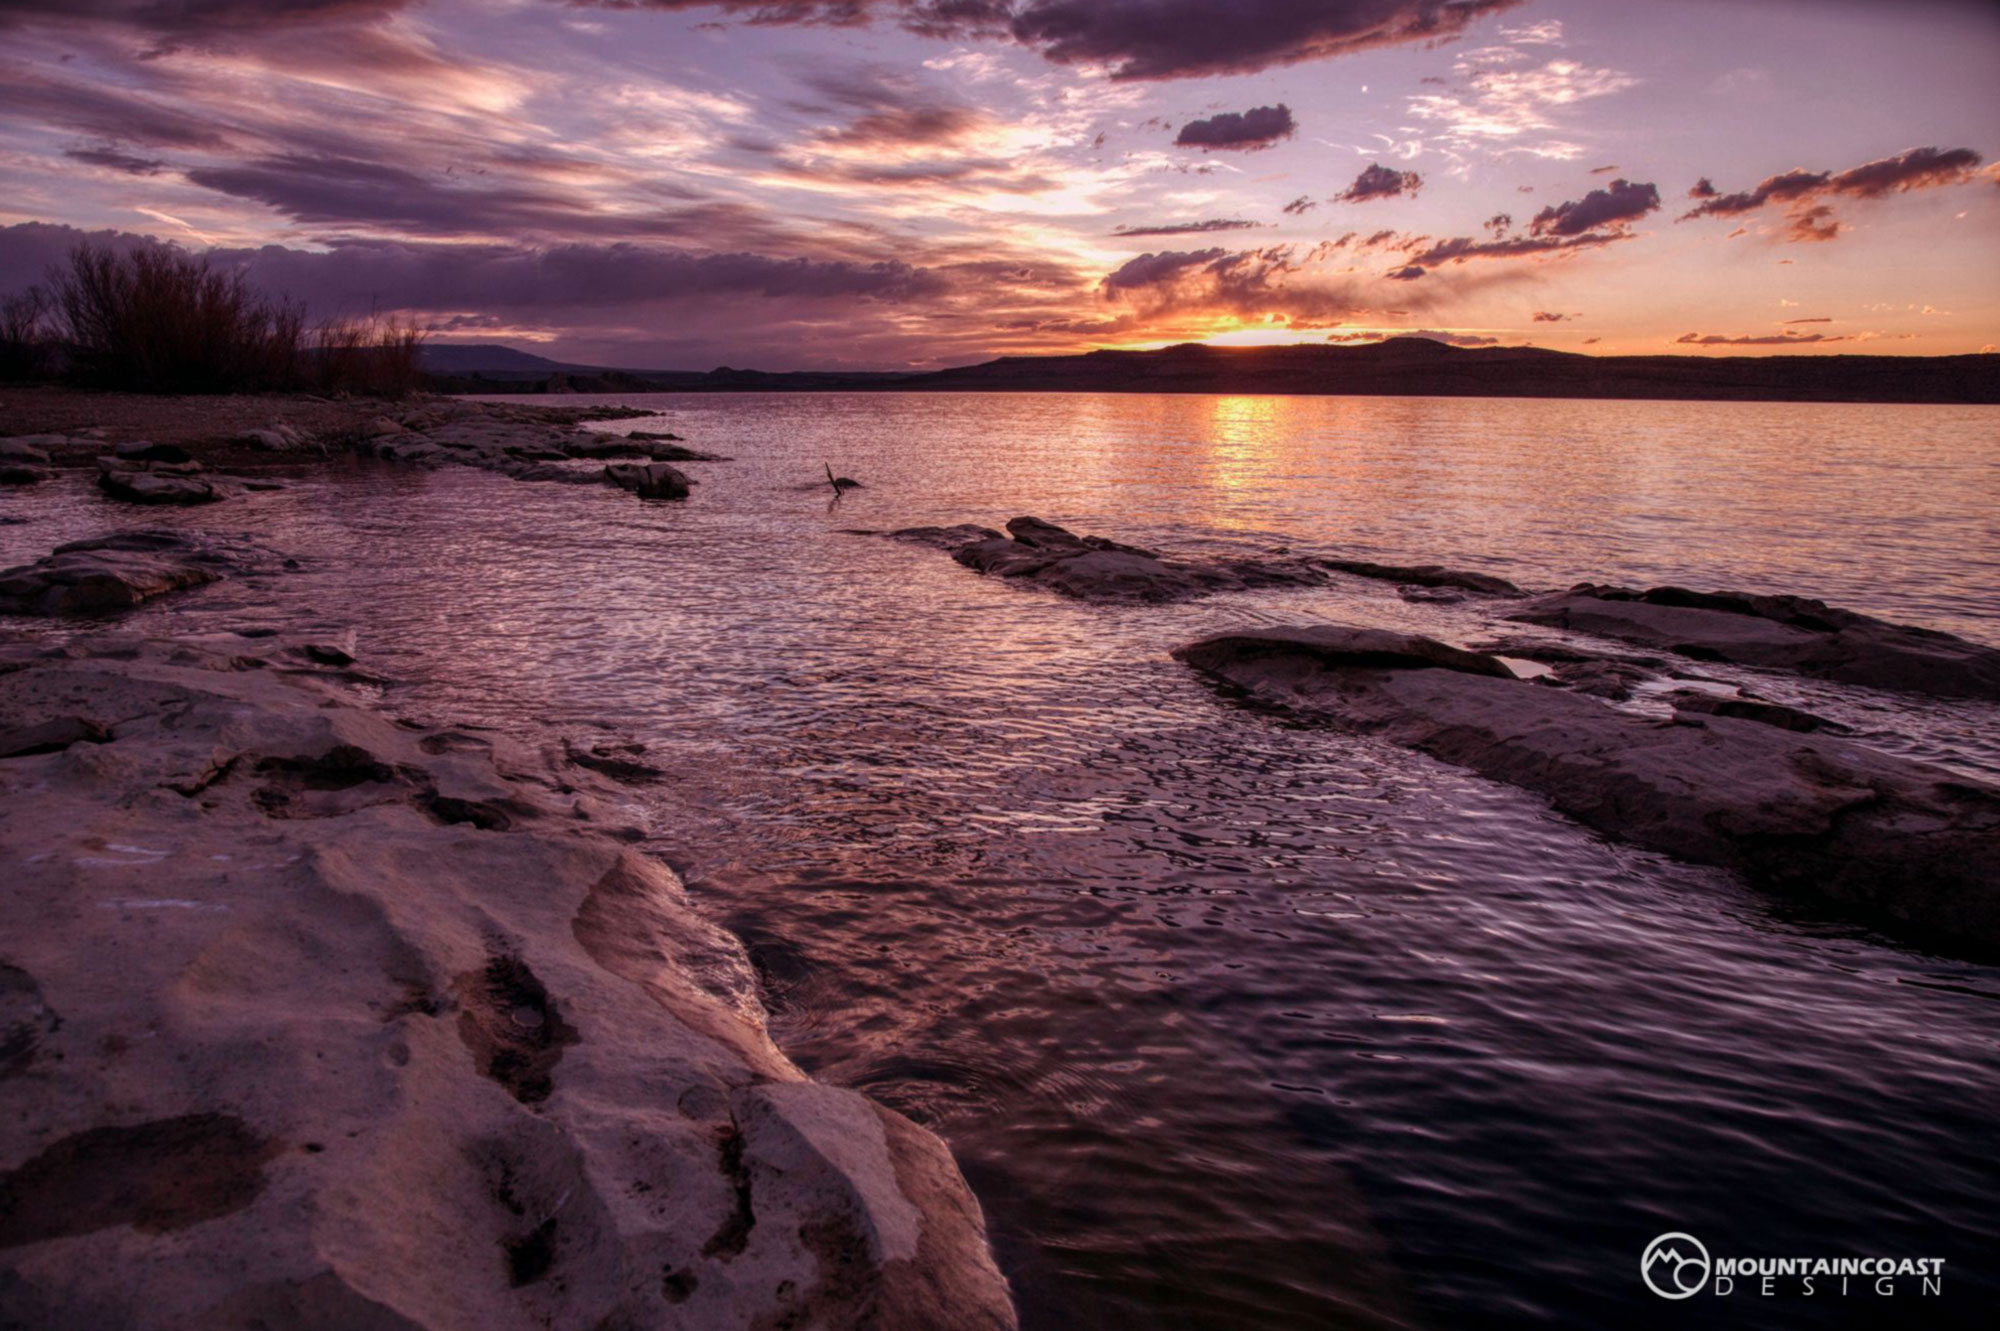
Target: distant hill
<point x="1421" y="367"/>
<point x="1401" y="367"/>
<point x="450" y="358"/>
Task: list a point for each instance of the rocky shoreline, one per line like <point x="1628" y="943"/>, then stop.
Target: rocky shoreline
<point x="309" y="1017"/>
<point x="314" y="1017"/>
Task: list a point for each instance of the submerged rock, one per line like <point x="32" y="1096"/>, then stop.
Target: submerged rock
<point x="1093" y="568"/>
<point x="522" y="449"/>
<point x="110" y="573"/>
<point x="648" y="480"/>
<point x="1755" y="709"/>
<point x="366" y="1025"/>
<point x="29" y="448"/>
<point x="176" y="484"/>
<point x="1913" y="846"/>
<point x="124" y="569"/>
<point x="1790" y="633"/>
<point x="1424" y="575"/>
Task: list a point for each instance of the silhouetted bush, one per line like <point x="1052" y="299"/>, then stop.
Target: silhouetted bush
<point x="160" y="321"/>
<point x="372" y="356"/>
<point x="26" y="335"/>
<point x="156" y="320"/>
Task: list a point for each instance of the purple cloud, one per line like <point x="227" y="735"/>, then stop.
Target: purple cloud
<point x="1247" y="131"/>
<point x="1188" y="228"/>
<point x="1137" y="39"/>
<point x="1379" y="182"/>
<point x="1619" y="205"/>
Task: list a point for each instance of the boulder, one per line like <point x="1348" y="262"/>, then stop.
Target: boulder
<point x="1914" y="848"/>
<point x="21" y="473"/>
<point x="1790" y="633"/>
<point x="335" y="1023"/>
<point x="648" y="480"/>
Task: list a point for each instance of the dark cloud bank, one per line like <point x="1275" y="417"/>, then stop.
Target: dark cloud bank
<point x="1259" y="127"/>
<point x="1132" y="39"/>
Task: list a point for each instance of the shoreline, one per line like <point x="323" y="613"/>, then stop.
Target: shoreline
<point x="313" y="1015"/>
<point x="522" y="1012"/>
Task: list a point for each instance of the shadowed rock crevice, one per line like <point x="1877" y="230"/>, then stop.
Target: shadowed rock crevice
<point x="159" y="1176"/>
<point x="733" y="1236"/>
<point x="513" y="1027"/>
<point x="24" y="1020"/>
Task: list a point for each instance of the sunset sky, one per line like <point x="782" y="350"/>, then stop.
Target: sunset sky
<point x="910" y="183"/>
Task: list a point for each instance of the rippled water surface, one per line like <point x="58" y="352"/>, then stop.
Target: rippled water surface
<point x="1234" y="1023"/>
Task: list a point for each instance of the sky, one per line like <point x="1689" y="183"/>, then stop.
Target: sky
<point x="896" y="184"/>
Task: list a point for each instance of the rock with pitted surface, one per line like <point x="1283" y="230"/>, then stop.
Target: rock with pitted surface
<point x="1790" y="633"/>
<point x="1094" y="568"/>
<point x="649" y="480"/>
<point x="317" y="1020"/>
<point x="1913" y="847"/>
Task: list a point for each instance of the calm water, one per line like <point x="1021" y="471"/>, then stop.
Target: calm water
<point x="1235" y="1024"/>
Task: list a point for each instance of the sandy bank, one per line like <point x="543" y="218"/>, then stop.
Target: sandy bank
<point x="311" y="1018"/>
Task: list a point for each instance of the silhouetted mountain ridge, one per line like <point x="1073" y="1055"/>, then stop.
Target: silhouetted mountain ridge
<point x="1399" y="366"/>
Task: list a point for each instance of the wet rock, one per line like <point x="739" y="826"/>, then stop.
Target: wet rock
<point x="1094" y="568"/>
<point x="1424" y="575"/>
<point x="648" y="480"/>
<point x="111" y="573"/>
<point x="24" y="448"/>
<point x="171" y="484"/>
<point x="140" y="450"/>
<point x="1613" y="680"/>
<point x="656" y="448"/>
<point x="367" y="1070"/>
<point x="1755" y="709"/>
<point x="1789" y="633"/>
<point x="940" y="538"/>
<point x="1913" y="847"/>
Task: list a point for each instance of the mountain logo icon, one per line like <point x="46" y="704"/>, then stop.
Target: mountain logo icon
<point x="1675" y="1266"/>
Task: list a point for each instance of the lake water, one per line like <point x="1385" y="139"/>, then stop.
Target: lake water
<point x="1234" y="1023"/>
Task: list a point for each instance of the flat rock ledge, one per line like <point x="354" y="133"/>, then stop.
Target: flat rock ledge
<point x="1092" y="568"/>
<point x="116" y="572"/>
<point x="537" y="451"/>
<point x="313" y="1019"/>
<point x="1914" y="848"/>
<point x="1789" y="633"/>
